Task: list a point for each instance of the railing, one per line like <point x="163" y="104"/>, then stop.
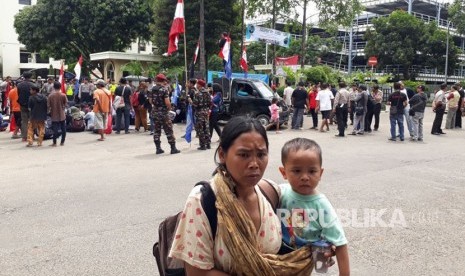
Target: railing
<point x="367" y="19"/>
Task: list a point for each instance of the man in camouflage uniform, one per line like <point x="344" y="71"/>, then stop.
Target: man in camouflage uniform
<point x="201" y="104"/>
<point x="160" y="101"/>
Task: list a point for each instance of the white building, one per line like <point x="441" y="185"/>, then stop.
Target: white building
<point x="15" y="59"/>
<point x="13" y="55"/>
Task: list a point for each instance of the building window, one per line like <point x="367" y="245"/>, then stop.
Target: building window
<point x="142" y="46"/>
<point x="24" y="2"/>
<point x="24" y="57"/>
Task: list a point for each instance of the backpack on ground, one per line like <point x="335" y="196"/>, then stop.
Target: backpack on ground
<point x="167" y="228"/>
<point x="77" y="125"/>
<point x="135" y="99"/>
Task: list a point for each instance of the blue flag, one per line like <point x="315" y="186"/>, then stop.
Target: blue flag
<point x="228" y="69"/>
<point x="189" y="124"/>
<point x="176" y="93"/>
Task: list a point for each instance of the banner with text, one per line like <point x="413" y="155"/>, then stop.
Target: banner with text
<point x="271" y="36"/>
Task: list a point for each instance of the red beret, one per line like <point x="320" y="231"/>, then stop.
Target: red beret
<point x="201" y="82"/>
<point x="161" y="77"/>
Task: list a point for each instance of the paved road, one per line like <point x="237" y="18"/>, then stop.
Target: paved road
<point x="93" y="208"/>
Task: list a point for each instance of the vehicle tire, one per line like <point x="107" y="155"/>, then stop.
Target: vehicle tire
<point x="263" y="119"/>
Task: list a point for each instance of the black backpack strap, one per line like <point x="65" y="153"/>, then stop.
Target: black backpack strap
<point x="208" y="201"/>
<point x="269" y="191"/>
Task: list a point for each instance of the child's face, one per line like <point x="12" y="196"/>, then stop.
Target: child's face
<point x="303" y="171"/>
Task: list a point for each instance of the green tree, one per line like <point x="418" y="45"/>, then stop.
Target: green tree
<point x="66" y="29"/>
<point x="434" y="49"/>
<point x="395" y="40"/>
<point x="457" y="15"/>
<point x="256" y="54"/>
<point x="220" y="16"/>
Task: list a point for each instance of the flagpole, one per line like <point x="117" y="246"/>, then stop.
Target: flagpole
<point x="185" y="43"/>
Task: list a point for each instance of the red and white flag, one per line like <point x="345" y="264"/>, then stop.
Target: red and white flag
<point x="77" y="68"/>
<point x="62" y="78"/>
<point x="244" y="65"/>
<point x="196" y="53"/>
<point x="176" y="28"/>
<point x="225" y="52"/>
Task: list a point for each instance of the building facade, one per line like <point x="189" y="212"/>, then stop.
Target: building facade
<point x="15" y="59"/>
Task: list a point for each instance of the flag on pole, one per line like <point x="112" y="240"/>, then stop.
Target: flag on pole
<point x="225" y="54"/>
<point x="176" y="93"/>
<point x="244" y="65"/>
<point x="176" y="28"/>
<point x="77" y="69"/>
<point x="196" y="53"/>
<point x="62" y="78"/>
<point x="189" y="124"/>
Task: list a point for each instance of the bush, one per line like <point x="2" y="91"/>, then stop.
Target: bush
<point x="280" y="91"/>
<point x="316" y="74"/>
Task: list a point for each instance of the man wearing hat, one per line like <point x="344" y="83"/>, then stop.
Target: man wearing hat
<point x="102" y="102"/>
<point x="201" y="104"/>
<point x="160" y="101"/>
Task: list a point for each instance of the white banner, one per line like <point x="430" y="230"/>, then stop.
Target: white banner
<point x="270" y="36"/>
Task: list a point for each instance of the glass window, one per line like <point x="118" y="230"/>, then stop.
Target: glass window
<point x="24" y="2"/>
<point x="264" y="89"/>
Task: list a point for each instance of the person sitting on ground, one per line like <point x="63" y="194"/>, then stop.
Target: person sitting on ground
<point x="248" y="235"/>
<point x="3" y="124"/>
<point x="90" y="120"/>
<point x="241" y="92"/>
<point x="302" y="167"/>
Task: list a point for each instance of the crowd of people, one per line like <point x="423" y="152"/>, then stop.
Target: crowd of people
<point x="105" y="106"/>
<point x="362" y="108"/>
<point x="102" y="107"/>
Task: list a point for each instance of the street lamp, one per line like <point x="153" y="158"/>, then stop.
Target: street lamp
<point x="447" y="53"/>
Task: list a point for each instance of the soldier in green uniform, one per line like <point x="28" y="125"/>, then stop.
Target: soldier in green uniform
<point x="159" y="99"/>
<point x="201" y="103"/>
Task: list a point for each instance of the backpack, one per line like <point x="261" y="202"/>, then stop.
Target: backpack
<point x="370" y="102"/>
<point x="135" y="99"/>
<point x="167" y="228"/>
<point x="77" y="125"/>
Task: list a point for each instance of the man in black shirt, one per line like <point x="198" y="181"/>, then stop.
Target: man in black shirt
<point x="397" y="102"/>
<point x="299" y="99"/>
<point x="24" y="92"/>
<point x="458" y="118"/>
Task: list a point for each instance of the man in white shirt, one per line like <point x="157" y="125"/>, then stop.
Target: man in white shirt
<point x="323" y="102"/>
<point x="288" y="94"/>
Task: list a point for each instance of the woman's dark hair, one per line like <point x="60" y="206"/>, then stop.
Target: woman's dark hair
<point x="234" y="128"/>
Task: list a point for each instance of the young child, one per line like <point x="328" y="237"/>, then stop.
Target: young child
<point x="311" y="216"/>
<point x="274" y="110"/>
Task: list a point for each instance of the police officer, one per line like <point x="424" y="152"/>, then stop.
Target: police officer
<point x="160" y="101"/>
<point x="202" y="103"/>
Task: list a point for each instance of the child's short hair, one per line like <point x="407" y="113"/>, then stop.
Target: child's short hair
<point x="274" y="100"/>
<point x="297" y="144"/>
